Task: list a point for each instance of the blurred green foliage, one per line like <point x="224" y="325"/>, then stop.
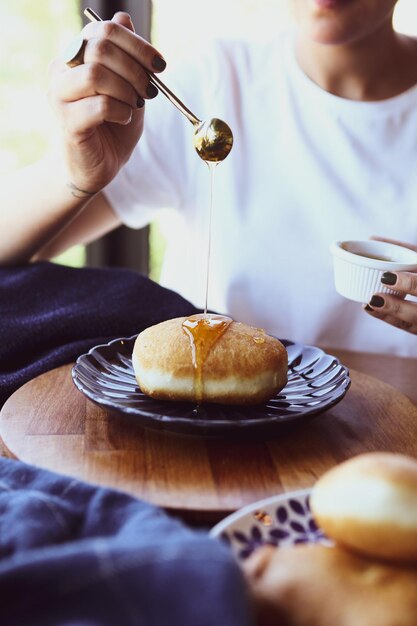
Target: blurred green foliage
<point x="157" y="245"/>
<point x="32" y="34"/>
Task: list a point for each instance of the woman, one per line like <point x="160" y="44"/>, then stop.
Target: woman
<point x="325" y="125"/>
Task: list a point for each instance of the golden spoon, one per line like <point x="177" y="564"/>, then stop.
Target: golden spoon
<point x="212" y="139"/>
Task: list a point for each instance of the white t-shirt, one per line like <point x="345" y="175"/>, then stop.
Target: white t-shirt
<point x="307" y="168"/>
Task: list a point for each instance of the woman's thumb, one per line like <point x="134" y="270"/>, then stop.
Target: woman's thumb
<point x="403" y="244"/>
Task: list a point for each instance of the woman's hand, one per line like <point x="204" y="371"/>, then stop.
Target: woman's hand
<point x="393" y="309"/>
<point x="100" y="103"/>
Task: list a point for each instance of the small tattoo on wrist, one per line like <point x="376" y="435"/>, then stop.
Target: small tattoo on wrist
<point x="80" y="193"/>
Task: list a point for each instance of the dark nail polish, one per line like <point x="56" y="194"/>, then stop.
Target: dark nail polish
<point x="158" y="63"/>
<point x="151" y="91"/>
<point x="140" y="102"/>
<point x="368" y="308"/>
<point x="377" y="301"/>
<point x="388" y="278"/>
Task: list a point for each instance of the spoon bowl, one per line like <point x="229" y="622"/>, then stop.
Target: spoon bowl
<point x="213" y="140"/>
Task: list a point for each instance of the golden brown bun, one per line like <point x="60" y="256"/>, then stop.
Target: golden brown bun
<point x="369" y="504"/>
<point x="237" y="369"/>
<point x="313" y="585"/>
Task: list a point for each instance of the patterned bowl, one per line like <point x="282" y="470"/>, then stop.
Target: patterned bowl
<point x="282" y="520"/>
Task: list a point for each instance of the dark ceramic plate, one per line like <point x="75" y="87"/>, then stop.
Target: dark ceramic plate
<point x="316" y="382"/>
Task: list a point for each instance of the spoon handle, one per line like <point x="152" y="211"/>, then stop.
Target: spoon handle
<point x="93" y="17"/>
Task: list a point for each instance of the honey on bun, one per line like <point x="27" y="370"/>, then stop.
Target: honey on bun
<point x="209" y="358"/>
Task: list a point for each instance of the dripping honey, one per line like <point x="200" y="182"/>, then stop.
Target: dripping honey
<point x="203" y="331"/>
<point x="211" y="167"/>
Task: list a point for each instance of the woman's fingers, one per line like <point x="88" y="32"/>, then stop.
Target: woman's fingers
<point x="393" y="321"/>
<point x="103" y="94"/>
<point x="104" y="52"/>
<point x="137" y="48"/>
<point x="394" y="311"/>
<point x="388" y="304"/>
<point x="114" y="65"/>
<point x="83" y="115"/>
<point x="93" y="79"/>
<point x="405" y="282"/>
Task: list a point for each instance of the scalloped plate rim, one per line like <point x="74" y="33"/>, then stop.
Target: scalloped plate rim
<point x="210" y="424"/>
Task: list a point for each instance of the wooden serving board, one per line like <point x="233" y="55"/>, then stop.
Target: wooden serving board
<point x="49" y="423"/>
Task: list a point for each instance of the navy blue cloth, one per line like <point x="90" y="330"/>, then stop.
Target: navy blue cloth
<point x="76" y="555"/>
<point x="73" y="554"/>
<point x="50" y="314"/>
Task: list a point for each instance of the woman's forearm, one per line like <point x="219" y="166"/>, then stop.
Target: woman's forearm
<point x="36" y="203"/>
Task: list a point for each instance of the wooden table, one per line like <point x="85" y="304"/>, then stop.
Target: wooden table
<point x="49" y="423"/>
<point x="399" y="372"/>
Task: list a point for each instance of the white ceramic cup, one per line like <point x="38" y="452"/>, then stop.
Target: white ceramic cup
<point x="359" y="265"/>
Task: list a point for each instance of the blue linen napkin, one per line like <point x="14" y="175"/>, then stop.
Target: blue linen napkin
<point x="72" y="554"/>
<point x="76" y="555"/>
<point x="50" y="314"/>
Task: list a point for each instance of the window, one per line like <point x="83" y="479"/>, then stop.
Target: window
<point x="32" y="33"/>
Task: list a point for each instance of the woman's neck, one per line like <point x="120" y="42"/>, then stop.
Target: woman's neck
<point x="376" y="68"/>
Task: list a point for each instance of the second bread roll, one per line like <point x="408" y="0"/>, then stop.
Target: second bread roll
<point x="369" y="504"/>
